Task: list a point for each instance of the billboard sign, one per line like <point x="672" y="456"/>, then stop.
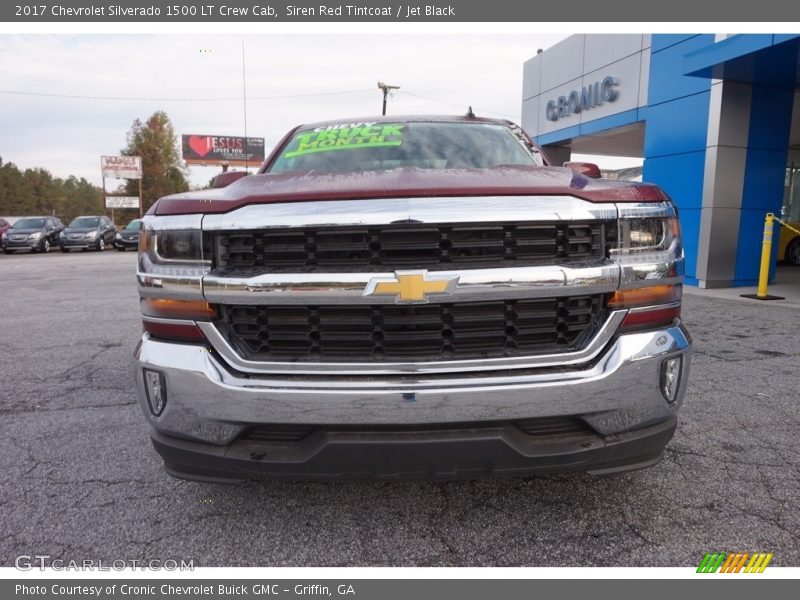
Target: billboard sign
<point x="122" y="202"/>
<point x="222" y="150"/>
<point x="121" y="167"/>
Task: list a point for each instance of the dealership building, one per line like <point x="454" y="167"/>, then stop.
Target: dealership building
<point x="716" y="120"/>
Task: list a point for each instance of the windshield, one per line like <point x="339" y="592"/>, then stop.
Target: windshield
<point x="378" y="146"/>
<point x="28" y="224"/>
<point x="84" y="222"/>
<point x="134" y="225"/>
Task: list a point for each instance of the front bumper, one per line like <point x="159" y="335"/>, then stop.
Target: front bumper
<point x="617" y="394"/>
<point x="78" y="243"/>
<point x="123" y="243"/>
<point x="492" y="449"/>
<point x="23" y="244"/>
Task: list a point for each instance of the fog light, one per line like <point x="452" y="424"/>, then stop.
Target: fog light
<point x="670" y="378"/>
<point x="156" y="391"/>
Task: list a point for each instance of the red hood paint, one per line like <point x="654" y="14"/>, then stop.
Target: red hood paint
<point x="405" y="183"/>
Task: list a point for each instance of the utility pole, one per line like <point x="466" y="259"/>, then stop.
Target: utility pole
<point x="385" y="87"/>
<point x="244" y="101"/>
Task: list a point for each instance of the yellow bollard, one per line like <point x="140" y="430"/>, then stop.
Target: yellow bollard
<point x="766" y="259"/>
<point x="766" y="255"/>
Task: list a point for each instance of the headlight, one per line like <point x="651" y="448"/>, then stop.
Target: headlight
<point x="62" y="235"/>
<point x="173" y="252"/>
<point x="118" y="236"/>
<point x="646" y="239"/>
<point x="646" y="244"/>
<point x="91" y="235"/>
<point x="650" y="234"/>
<point x="35" y="236"/>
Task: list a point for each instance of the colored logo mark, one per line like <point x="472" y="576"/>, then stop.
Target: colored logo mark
<point x="734" y="562"/>
<point x="410" y="286"/>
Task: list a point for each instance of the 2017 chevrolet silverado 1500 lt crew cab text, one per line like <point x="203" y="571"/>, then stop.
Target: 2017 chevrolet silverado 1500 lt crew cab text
<point x="410" y="297"/>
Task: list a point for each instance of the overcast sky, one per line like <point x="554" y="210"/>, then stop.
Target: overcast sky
<point x="197" y="80"/>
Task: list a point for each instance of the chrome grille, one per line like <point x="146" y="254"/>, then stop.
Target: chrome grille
<point x="420" y="332"/>
<point x="411" y="245"/>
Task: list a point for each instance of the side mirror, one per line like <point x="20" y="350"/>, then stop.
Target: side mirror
<point x="584" y="168"/>
<point x="225" y="179"/>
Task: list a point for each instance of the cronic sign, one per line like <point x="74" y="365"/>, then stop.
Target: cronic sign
<point x="576" y="101"/>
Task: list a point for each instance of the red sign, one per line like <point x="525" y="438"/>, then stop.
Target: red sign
<point x="222" y="150"/>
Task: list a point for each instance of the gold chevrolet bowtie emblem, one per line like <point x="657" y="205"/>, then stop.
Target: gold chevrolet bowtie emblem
<point x="411" y="286"/>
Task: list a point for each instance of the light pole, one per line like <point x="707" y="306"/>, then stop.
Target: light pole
<point x="385" y="87"/>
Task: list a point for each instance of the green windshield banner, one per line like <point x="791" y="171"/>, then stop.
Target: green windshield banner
<point x="357" y="135"/>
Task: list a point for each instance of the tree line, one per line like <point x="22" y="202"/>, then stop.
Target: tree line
<point x="37" y="192"/>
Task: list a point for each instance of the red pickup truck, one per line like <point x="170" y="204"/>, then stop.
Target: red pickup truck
<point x="410" y="297"/>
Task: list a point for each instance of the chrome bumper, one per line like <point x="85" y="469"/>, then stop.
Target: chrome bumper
<point x="615" y="391"/>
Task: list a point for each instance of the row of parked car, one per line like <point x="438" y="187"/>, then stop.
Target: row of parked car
<point x="41" y="234"/>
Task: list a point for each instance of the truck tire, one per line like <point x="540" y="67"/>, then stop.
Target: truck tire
<point x="793" y="252"/>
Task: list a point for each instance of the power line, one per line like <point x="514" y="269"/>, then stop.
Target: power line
<point x="239" y="98"/>
<point x="461" y="104"/>
<point x="178" y="99"/>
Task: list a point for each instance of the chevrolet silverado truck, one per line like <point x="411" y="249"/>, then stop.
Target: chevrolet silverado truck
<point x="410" y="297"/>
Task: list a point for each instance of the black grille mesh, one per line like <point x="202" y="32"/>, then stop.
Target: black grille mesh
<point x="417" y="245"/>
<point x="541" y="427"/>
<point x="409" y="332"/>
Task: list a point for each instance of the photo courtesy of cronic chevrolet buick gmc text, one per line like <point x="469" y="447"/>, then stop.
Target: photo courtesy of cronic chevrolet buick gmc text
<point x="411" y="297"/>
<point x="37" y="234"/>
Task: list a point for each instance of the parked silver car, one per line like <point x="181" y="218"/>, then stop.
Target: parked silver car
<point x="35" y="234"/>
<point x="88" y="233"/>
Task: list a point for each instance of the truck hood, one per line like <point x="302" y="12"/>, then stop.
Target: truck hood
<point x="405" y="183"/>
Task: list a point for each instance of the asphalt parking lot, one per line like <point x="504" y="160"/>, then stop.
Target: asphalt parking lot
<point x="79" y="479"/>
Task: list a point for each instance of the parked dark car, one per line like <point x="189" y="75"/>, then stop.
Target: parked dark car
<point x="128" y="237"/>
<point x="93" y="232"/>
<point x="32" y="233"/>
